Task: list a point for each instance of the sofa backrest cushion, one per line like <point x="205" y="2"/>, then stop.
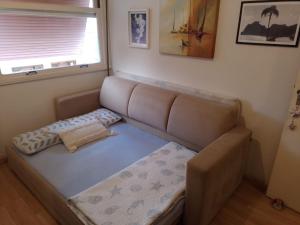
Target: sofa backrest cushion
<point x="151" y="105"/>
<point x="200" y="121"/>
<point x="194" y="120"/>
<point x="115" y="94"/>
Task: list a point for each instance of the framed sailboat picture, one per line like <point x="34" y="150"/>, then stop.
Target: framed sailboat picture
<point x="273" y="23"/>
<point x="188" y="27"/>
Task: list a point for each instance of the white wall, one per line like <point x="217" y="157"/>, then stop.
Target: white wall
<point x="262" y="77"/>
<point x="28" y="106"/>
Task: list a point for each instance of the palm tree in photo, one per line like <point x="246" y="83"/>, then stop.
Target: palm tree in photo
<point x="270" y="12"/>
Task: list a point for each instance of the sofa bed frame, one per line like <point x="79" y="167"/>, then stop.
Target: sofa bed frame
<point x="212" y="175"/>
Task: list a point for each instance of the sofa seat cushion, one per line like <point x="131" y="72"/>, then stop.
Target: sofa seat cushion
<point x="200" y="121"/>
<point x="151" y="105"/>
<point x="71" y="174"/>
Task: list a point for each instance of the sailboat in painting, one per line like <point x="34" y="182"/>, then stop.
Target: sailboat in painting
<point x="188" y="27"/>
<point x="197" y="18"/>
<point x="174" y="22"/>
<point x="201" y="22"/>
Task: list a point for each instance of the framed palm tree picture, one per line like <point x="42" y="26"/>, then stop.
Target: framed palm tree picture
<point x="274" y="23"/>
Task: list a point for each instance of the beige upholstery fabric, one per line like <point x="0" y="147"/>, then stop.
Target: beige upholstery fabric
<point x="214" y="174"/>
<point x="76" y="104"/>
<point x="151" y="105"/>
<point x="163" y="134"/>
<point x="115" y="94"/>
<point x="200" y="121"/>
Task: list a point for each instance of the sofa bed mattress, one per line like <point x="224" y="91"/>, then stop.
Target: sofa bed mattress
<point x="72" y="173"/>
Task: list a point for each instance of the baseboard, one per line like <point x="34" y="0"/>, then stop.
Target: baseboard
<point x="257" y="184"/>
<point x="3" y="158"/>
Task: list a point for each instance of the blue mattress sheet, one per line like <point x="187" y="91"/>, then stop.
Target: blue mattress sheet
<point x="73" y="173"/>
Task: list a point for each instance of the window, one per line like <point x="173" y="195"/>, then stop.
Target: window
<point x="38" y="37"/>
<point x="81" y="3"/>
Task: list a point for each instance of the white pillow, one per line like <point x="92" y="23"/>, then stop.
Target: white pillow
<point x="32" y="142"/>
<point x="107" y="117"/>
<point x="81" y="135"/>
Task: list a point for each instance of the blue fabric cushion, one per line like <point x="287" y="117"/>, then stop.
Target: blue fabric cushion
<point x="72" y="173"/>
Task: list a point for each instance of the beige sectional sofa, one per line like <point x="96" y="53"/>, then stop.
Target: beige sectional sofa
<point x="210" y="127"/>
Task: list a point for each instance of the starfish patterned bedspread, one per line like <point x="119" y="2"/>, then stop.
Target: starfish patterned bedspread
<point x="139" y="194"/>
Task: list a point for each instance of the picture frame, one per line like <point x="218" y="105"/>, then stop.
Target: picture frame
<point x="269" y="23"/>
<point x="138" y="23"/>
<point x="188" y="28"/>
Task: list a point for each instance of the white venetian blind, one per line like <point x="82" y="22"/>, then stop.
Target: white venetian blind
<point x="46" y="38"/>
<point x="24" y="37"/>
<point x="81" y="3"/>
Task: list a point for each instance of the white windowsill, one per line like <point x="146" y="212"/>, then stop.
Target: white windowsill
<point x="49" y="74"/>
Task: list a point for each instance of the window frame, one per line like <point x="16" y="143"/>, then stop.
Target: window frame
<point x="100" y="15"/>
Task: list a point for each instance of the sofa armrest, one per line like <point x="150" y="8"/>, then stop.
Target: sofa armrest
<point x="77" y="104"/>
<point x="214" y="174"/>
